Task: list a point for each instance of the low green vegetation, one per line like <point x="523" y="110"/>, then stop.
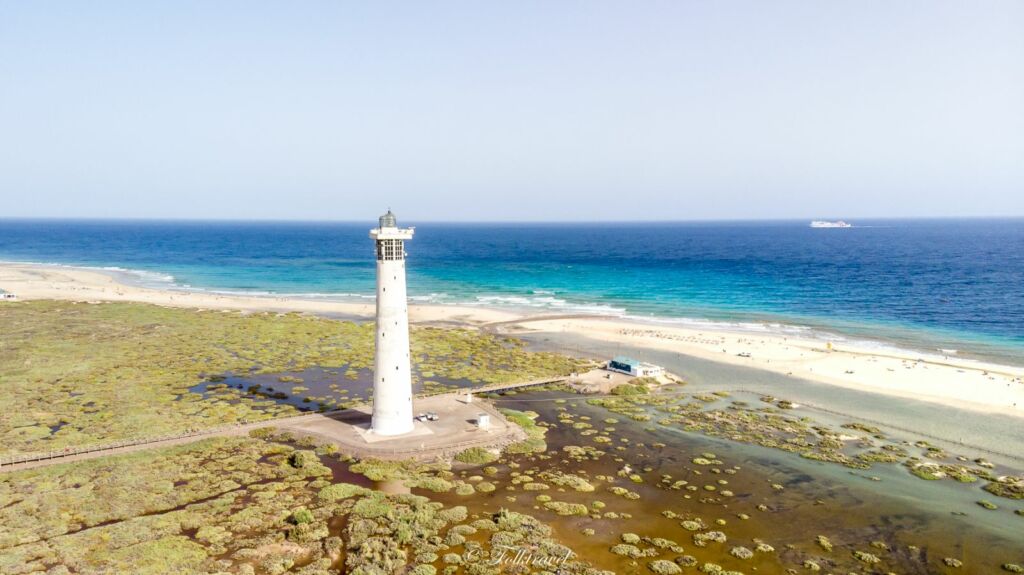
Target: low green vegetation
<point x="565" y="508"/>
<point x="622" y="493"/>
<point x="1009" y="487"/>
<point x="429" y="476"/>
<point x="79" y="373"/>
<point x="534" y="442"/>
<point x="477" y="456"/>
<point x="150" y="509"/>
<point x="777" y="427"/>
<point x="243" y="506"/>
<point x="483" y="358"/>
<point x="630" y="389"/>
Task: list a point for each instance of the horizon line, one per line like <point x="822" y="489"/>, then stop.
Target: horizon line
<point x="144" y="219"/>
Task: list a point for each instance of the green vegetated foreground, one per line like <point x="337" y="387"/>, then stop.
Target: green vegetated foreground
<point x="238" y="505"/>
<point x="601" y="490"/>
<point x="78" y="374"/>
<point x="633" y="483"/>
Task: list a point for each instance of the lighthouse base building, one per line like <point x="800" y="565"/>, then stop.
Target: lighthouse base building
<point x="392" y="374"/>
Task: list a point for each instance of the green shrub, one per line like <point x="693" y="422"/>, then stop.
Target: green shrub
<point x="300" y="459"/>
<point x="372" y="507"/>
<point x="629" y="389"/>
<point x="341" y="491"/>
<point x="476" y="456"/>
<point x="663" y="567"/>
<point x="435" y="484"/>
<point x="564" y="508"/>
<point x="301" y="516"/>
<point x="626" y="550"/>
<point x="262" y="432"/>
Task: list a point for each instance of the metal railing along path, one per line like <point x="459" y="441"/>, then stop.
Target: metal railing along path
<point x="9" y="460"/>
<point x="16" y="459"/>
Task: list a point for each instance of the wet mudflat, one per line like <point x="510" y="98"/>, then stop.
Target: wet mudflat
<point x="767" y="510"/>
<point x="998" y="437"/>
<point x="623" y="495"/>
<point x="720" y="477"/>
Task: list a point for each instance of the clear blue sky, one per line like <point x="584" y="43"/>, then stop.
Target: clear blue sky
<point x="515" y="110"/>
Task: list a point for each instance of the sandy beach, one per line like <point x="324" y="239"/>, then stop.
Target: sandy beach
<point x="40" y="281"/>
<point x="947" y="380"/>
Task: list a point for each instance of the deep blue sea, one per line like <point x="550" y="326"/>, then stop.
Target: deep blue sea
<point x="949" y="284"/>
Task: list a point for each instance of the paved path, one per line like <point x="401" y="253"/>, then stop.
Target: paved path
<point x="92" y="452"/>
<point x="31" y="461"/>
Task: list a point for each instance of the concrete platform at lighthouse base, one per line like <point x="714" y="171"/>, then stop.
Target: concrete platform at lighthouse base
<point x="365" y="431"/>
<point x="455" y="430"/>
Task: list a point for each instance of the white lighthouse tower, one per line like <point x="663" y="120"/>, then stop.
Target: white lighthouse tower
<point x="392" y="375"/>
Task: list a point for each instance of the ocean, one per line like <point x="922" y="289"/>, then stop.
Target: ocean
<point x="928" y="284"/>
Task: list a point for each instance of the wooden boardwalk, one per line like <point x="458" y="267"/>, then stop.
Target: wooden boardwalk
<point x="80" y="453"/>
<point x="499" y="387"/>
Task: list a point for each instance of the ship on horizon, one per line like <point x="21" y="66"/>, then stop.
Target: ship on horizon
<point x="828" y="224"/>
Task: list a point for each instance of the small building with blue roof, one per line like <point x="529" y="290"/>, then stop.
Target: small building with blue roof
<point x="630" y="366"/>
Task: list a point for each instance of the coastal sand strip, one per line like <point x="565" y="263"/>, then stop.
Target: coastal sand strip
<point x="947" y="380"/>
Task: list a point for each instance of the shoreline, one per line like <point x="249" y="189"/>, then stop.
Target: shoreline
<point x="883" y="371"/>
<point x="977" y="432"/>
<point x="879" y="338"/>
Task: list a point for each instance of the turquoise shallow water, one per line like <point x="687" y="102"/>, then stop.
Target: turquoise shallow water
<point x="933" y="284"/>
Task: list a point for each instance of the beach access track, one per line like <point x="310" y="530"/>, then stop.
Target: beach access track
<point x="79" y="453"/>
